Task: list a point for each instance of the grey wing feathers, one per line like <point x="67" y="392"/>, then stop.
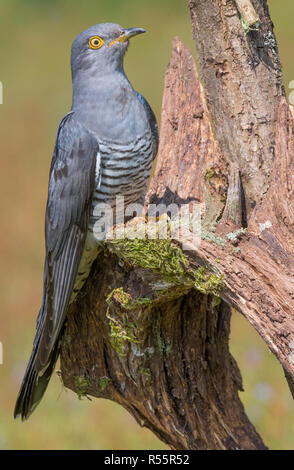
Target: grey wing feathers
<point x="68" y="210"/>
<point x="152" y="122"/>
<point x="71" y="186"/>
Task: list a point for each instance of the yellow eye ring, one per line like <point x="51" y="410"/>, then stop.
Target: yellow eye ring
<point x="96" y="42"/>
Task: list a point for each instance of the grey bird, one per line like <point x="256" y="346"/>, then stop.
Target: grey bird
<point x="104" y="148"/>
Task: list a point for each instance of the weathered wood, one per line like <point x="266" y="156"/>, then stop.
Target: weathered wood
<point x="247" y="12"/>
<point x="150" y="328"/>
<point x="241" y="74"/>
<point x="162" y="349"/>
<point x="170" y="368"/>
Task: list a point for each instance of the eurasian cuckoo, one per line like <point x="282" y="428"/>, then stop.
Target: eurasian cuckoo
<point x="104" y="148"/>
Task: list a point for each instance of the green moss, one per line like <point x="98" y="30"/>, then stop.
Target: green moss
<point x="146" y="372"/>
<point x="104" y="382"/>
<point x="209" y="174"/>
<point x="166" y="259"/>
<point x="120" y="296"/>
<point x="81" y="385"/>
<point x="147" y="377"/>
<point x="158" y="255"/>
<point x="125" y="299"/>
<point x="121" y="330"/>
<point x="207" y="283"/>
<point x="121" y="334"/>
<point x="143" y="301"/>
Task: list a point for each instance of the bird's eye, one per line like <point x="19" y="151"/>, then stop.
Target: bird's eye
<point x="96" y="42"/>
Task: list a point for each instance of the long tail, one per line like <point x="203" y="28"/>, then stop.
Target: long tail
<point x="36" y="380"/>
<point x="34" y="385"/>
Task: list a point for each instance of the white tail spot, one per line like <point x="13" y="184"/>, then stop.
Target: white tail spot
<point x="1" y="352"/>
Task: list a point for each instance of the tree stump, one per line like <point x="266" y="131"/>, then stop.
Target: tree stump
<point x="150" y="329"/>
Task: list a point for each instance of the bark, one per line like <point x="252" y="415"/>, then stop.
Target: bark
<point x="150" y="328"/>
<point x="242" y="77"/>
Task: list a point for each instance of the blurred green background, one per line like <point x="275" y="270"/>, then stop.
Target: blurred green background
<point x="35" y="40"/>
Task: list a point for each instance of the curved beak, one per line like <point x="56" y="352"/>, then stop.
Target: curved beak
<point x="127" y="34"/>
<point x="130" y="32"/>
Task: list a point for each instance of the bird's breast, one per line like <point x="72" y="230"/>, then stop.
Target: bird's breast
<point x="124" y="172"/>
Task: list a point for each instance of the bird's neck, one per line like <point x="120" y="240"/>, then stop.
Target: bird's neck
<point x="105" y="104"/>
<point x="96" y="88"/>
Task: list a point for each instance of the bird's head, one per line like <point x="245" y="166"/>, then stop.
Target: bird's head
<point x="101" y="48"/>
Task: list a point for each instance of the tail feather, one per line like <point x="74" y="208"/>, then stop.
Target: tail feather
<point x="36" y="380"/>
<point x="34" y="385"/>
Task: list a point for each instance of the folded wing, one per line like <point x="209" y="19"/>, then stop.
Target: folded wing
<point x="71" y="186"/>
